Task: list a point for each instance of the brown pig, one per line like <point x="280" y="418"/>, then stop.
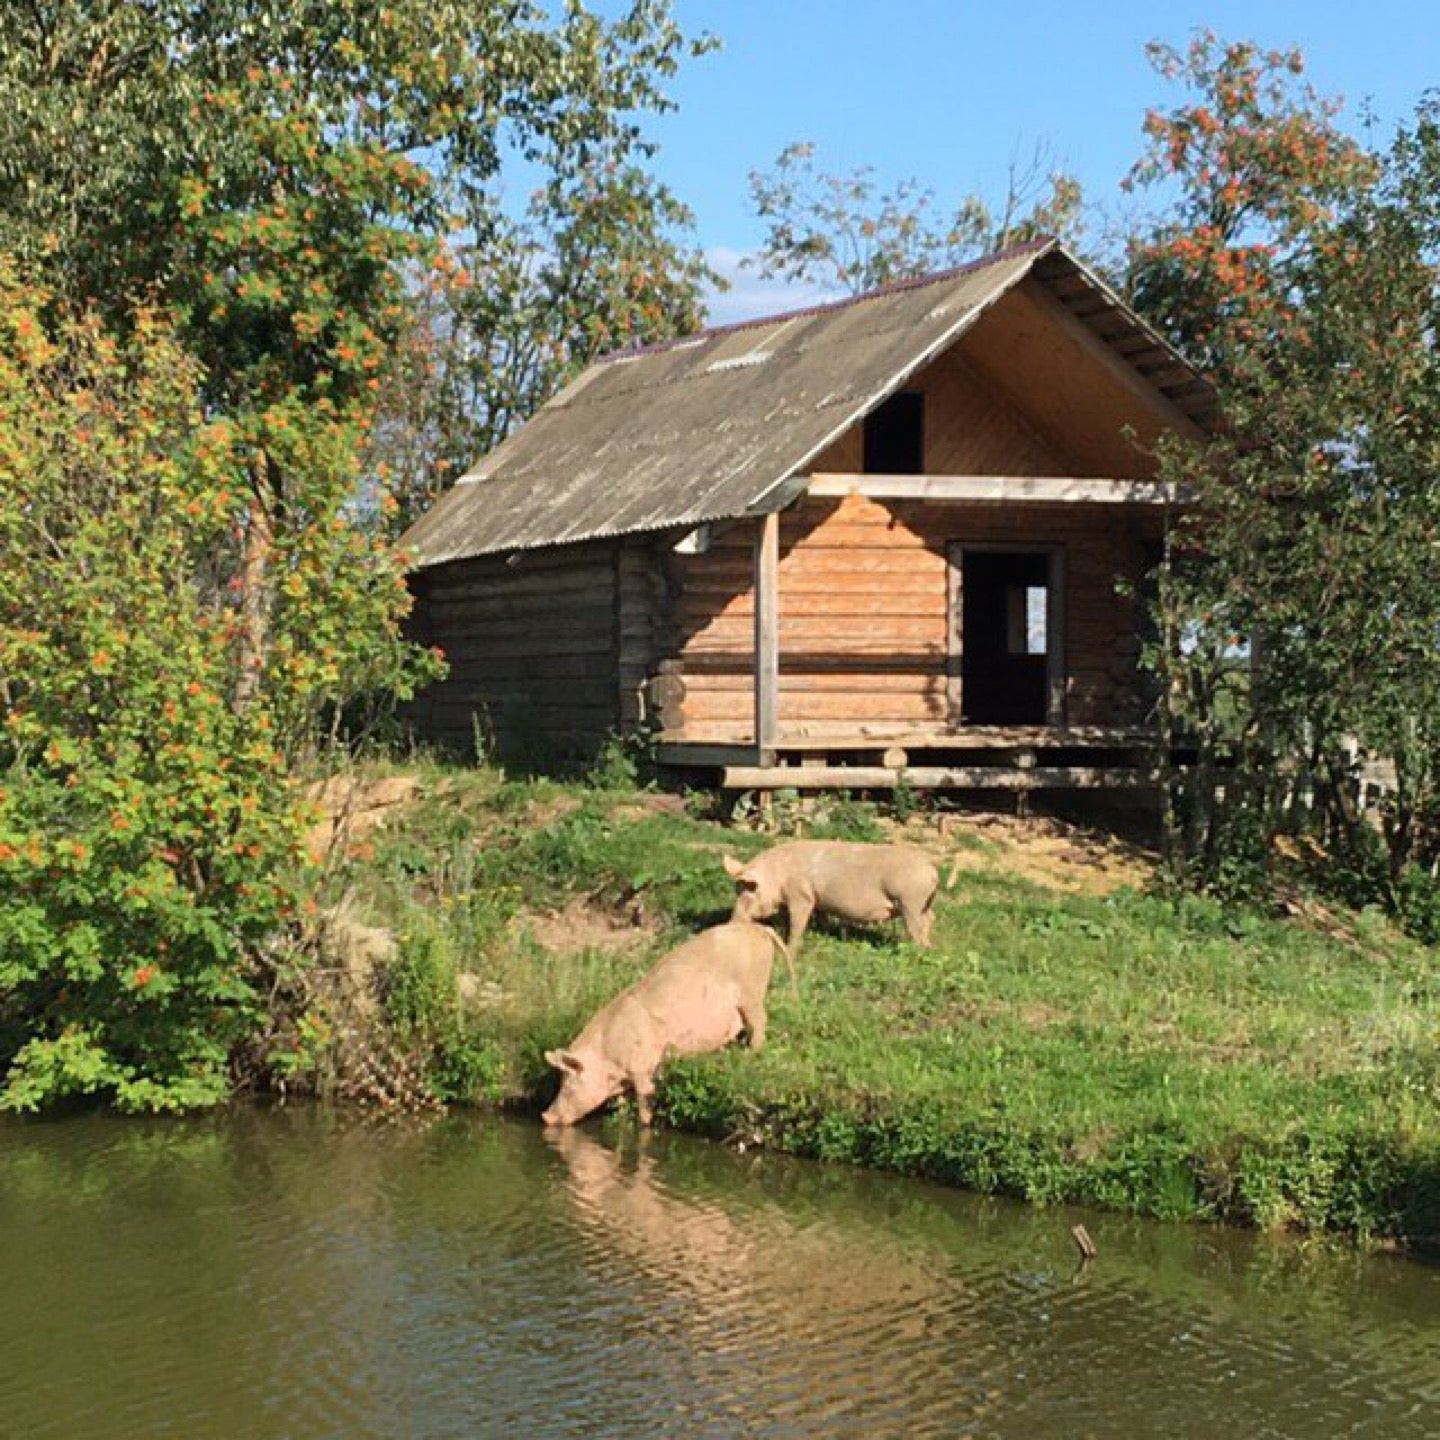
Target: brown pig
<point x="860" y="883"/>
<point x="698" y="997"/>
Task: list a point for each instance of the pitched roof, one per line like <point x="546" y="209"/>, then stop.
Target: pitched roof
<point x="713" y="426"/>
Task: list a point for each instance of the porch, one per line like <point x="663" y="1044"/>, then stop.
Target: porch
<point x="1014" y="759"/>
<point x="983" y="607"/>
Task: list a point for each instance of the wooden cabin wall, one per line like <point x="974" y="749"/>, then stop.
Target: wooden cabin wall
<point x="642" y="599"/>
<point x="551" y="654"/>
<point x="534" y="649"/>
<point x="705" y="644"/>
<point x="864" y="617"/>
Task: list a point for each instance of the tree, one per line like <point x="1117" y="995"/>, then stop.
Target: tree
<point x="216" y="222"/>
<point x="1303" y="268"/>
<point x="279" y="173"/>
<point x="1261" y="167"/>
<point x="593" y="265"/>
<point x="846" y="232"/>
<point x="149" y="839"/>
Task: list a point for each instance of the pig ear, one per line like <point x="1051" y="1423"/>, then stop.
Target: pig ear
<point x="741" y="872"/>
<point x="564" y="1060"/>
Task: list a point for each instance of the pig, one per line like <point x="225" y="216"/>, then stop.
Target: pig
<point x="699" y="997"/>
<point x="860" y="883"/>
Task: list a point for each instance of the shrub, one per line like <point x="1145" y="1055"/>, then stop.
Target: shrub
<point x="150" y="831"/>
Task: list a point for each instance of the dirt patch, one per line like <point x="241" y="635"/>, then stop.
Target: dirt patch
<point x="583" y="924"/>
<point x="651" y="803"/>
<point x="546" y="812"/>
<point x="1037" y="1017"/>
<point x="351" y="806"/>
<point x="478" y="993"/>
<point x="1043" y="851"/>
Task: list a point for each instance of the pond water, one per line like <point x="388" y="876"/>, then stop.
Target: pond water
<point x="301" y="1273"/>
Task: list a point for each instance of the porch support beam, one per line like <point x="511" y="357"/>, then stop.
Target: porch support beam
<point x="935" y="777"/>
<point x="998" y="489"/>
<point x="767" y="637"/>
<point x="1056" y="651"/>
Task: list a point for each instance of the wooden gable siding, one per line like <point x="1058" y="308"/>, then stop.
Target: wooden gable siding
<point x="1031" y="352"/>
<point x="971" y="428"/>
<point x="533" y="646"/>
<point x="1028" y="391"/>
<point x="865" y="623"/>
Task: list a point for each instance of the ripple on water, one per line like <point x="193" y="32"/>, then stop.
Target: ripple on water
<point x="299" y="1275"/>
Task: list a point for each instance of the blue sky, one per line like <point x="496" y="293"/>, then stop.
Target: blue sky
<point x="948" y="91"/>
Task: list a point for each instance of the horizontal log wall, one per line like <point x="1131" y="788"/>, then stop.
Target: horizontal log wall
<point x="705" y="639"/>
<point x="864" y="617"/>
<point x="534" y="649"/>
<point x="642" y="600"/>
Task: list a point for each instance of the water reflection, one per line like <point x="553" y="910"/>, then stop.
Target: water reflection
<point x="771" y="1317"/>
<point x="298" y="1274"/>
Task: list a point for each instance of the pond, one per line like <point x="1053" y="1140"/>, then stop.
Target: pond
<point x="303" y="1273"/>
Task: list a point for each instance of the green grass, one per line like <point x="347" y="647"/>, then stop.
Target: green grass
<point x="1187" y="1061"/>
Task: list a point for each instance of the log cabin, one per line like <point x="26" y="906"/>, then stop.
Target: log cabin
<point x="904" y="534"/>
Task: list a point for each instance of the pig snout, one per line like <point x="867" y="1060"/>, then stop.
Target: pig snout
<point x="558" y="1112"/>
<point x="755" y="900"/>
<point x="570" y="1105"/>
<point x="585" y="1085"/>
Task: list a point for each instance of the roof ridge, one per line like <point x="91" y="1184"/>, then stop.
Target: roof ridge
<point x="914" y="282"/>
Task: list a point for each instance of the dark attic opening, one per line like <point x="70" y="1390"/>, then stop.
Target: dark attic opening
<point x="895" y="436"/>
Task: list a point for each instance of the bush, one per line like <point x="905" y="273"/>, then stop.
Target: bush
<point x="1417" y="904"/>
<point x="150" y="831"/>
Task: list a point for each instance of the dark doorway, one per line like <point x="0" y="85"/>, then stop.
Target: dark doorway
<point x="1006" y="617"/>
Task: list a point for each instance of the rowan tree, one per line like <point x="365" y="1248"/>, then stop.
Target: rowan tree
<point x="149" y="836"/>
<point x="281" y="176"/>
<point x="1301" y="607"/>
<point x="215" y="223"/>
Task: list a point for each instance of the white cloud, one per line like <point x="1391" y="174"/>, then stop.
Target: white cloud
<point x="751" y="295"/>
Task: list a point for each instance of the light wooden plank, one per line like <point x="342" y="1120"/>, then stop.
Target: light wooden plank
<point x="840" y="604"/>
<point x="1055" y="643"/>
<point x="799" y="706"/>
<point x="853" y="679"/>
<point x="820" y="736"/>
<point x="996" y="490"/>
<point x="848" y="632"/>
<point x="955" y="632"/>
<point x="935" y="777"/>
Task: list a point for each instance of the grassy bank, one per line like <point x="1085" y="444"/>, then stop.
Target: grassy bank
<point x="1070" y="1037"/>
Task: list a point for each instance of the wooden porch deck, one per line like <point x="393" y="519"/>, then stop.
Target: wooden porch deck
<point x="1006" y="758"/>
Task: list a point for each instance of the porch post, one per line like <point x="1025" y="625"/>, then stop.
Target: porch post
<point x="1055" y="667"/>
<point x="767" y="637"/>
